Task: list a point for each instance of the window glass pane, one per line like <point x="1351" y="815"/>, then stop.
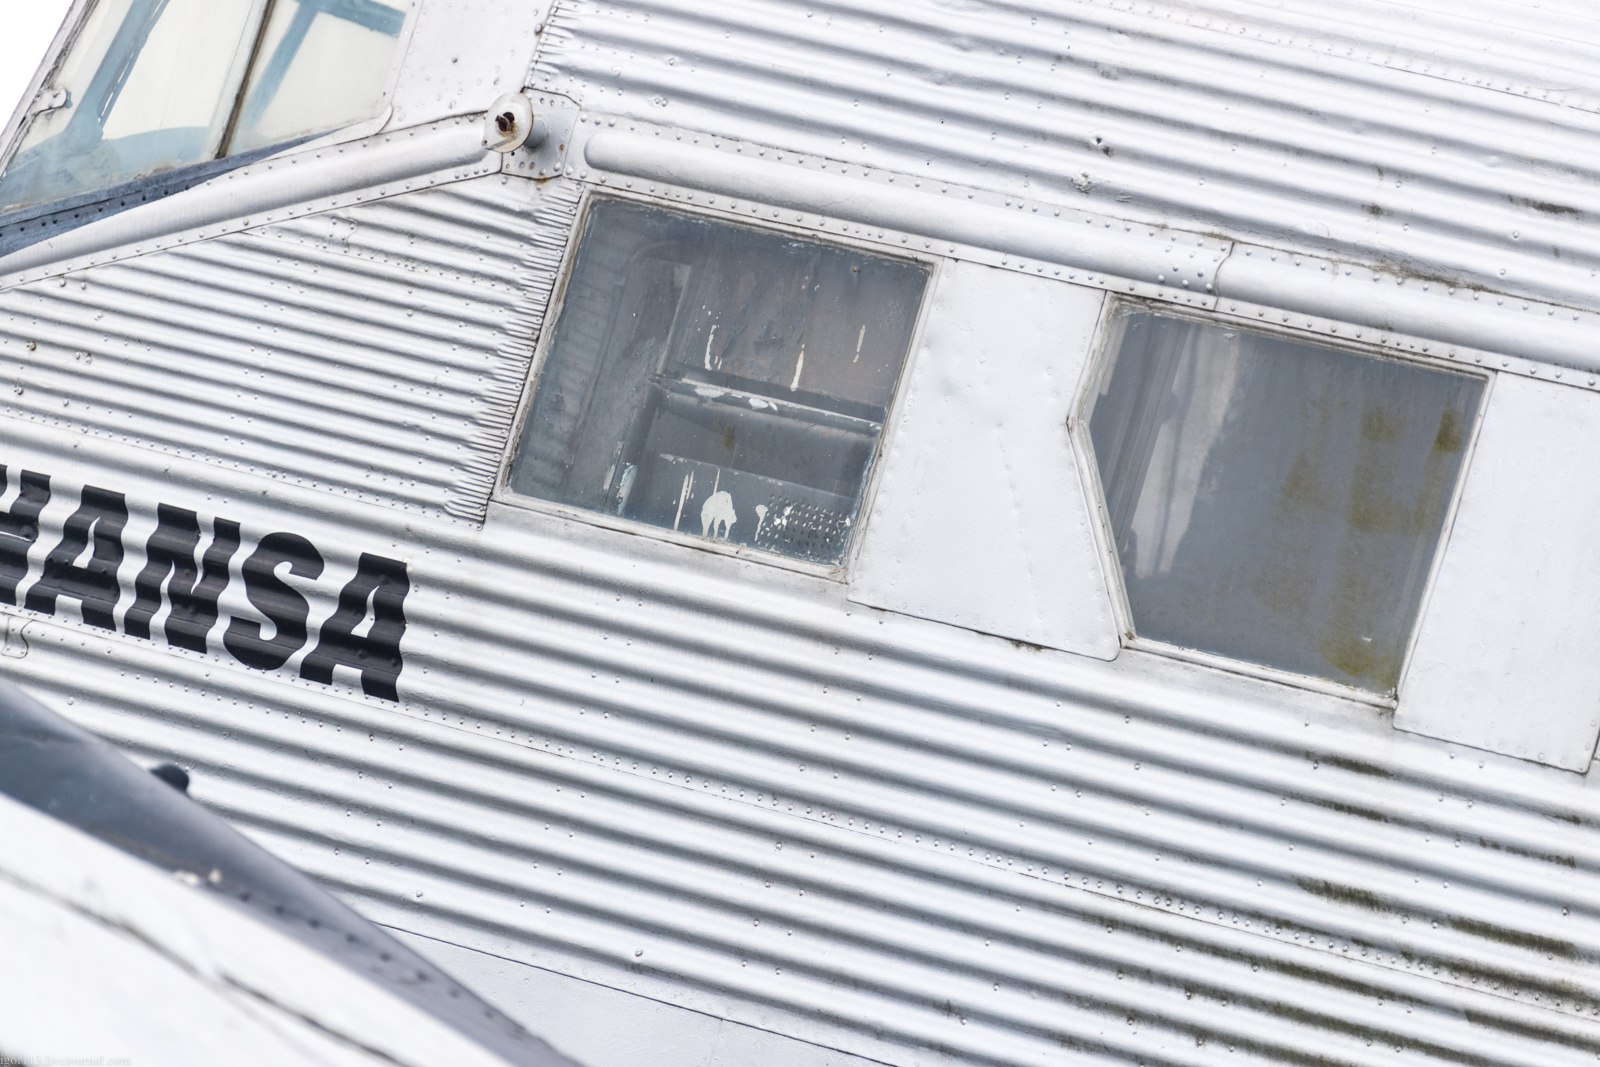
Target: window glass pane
<point x="1273" y="501"/>
<point x="322" y="64"/>
<point x="718" y="380"/>
<point x="150" y="86"/>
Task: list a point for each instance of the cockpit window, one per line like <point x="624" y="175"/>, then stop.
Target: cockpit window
<point x="150" y="85"/>
<point x="322" y="65"/>
<point x="1272" y="501"/>
<point x="718" y="380"/>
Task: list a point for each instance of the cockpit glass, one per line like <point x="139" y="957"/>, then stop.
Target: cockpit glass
<point x="322" y="66"/>
<point x="718" y="380"/>
<point x="147" y="86"/>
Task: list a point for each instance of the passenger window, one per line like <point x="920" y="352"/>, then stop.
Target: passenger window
<point x="149" y="85"/>
<point x="718" y="380"/>
<point x="1272" y="501"/>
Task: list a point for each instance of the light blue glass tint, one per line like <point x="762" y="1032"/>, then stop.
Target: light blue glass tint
<point x="718" y="380"/>
<point x="156" y="84"/>
<point x="150" y="85"/>
<point x="322" y="64"/>
<point x="1274" y="501"/>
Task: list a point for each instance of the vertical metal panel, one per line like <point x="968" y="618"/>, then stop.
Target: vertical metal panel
<point x="980" y="518"/>
<point x="1504" y="658"/>
<point x="462" y="54"/>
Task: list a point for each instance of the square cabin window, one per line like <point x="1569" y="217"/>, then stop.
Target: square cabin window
<point x="717" y="380"/>
<point x="1273" y="501"/>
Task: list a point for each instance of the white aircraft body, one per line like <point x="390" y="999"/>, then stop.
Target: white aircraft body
<point x="772" y="532"/>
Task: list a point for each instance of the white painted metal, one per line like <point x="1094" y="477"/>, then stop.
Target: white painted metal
<point x="1282" y="125"/>
<point x="1008" y="855"/>
<point x="979" y="518"/>
<point x="1504" y="658"/>
<point x="1366" y="301"/>
<point x="461" y="55"/>
<point x="110" y="960"/>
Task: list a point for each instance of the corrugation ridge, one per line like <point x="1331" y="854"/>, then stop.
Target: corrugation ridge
<point x="1315" y="148"/>
<point x="370" y="265"/>
<point x="282" y="460"/>
<point x="150" y="295"/>
<point x="452" y="693"/>
<point x="1162" y="194"/>
<point x="445" y="828"/>
<point x="208" y="368"/>
<point x="280" y="453"/>
<point x="758" y="750"/>
<point x="393" y="347"/>
<point x="391" y="234"/>
<point x="507" y="378"/>
<point x="984" y="703"/>
<point x="142" y="326"/>
<point x="1428" y="43"/>
<point x="418" y="856"/>
<point x="445" y="256"/>
<point x="316" y="365"/>
<point x="190" y="402"/>
<point x="487" y="208"/>
<point x="722" y="605"/>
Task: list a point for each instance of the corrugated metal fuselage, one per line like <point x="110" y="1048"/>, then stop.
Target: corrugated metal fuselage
<point x="766" y="820"/>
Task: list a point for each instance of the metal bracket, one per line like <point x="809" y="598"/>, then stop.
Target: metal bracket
<point x="50" y="100"/>
<point x="14" y="645"/>
<point x="547" y="158"/>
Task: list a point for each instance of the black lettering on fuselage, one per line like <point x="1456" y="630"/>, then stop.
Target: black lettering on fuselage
<point x="276" y="600"/>
<point x="384" y="583"/>
<point x="19" y="529"/>
<point x="100" y="517"/>
<point x="191" y="592"/>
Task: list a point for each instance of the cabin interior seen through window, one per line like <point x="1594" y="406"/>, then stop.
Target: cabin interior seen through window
<point x="1273" y="501"/>
<point x="149" y="85"/>
<point x="718" y="380"/>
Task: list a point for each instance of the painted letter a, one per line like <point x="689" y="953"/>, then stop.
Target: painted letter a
<point x="100" y="517"/>
<point x="382" y="582"/>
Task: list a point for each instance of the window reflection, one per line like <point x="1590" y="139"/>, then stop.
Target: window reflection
<point x="323" y="65"/>
<point x="151" y="85"/>
<point x="1274" y="501"/>
<point x="718" y="380"/>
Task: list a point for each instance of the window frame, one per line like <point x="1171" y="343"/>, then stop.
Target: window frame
<point x="17" y="125"/>
<point x="1099" y="364"/>
<point x="837" y="572"/>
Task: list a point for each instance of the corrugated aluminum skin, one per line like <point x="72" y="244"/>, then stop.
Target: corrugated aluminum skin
<point x="719" y="783"/>
<point x="1455" y="140"/>
<point x="377" y="351"/>
<point x="863" y="829"/>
